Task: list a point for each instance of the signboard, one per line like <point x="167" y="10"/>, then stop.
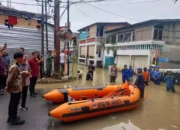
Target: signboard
<point x="163" y="59"/>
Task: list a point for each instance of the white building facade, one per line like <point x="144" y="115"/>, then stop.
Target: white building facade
<point x="92" y="40"/>
<point x="139" y="44"/>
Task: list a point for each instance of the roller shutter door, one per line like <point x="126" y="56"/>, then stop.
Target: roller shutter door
<point x="139" y="61"/>
<point x="121" y="61"/>
<point x="82" y="50"/>
<point x="91" y="50"/>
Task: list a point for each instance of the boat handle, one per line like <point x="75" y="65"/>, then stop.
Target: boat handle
<point x="126" y="101"/>
<point x="85" y="108"/>
<point x="99" y="88"/>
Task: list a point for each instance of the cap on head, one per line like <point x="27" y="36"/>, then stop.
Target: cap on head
<point x="139" y="69"/>
<point x="125" y="65"/>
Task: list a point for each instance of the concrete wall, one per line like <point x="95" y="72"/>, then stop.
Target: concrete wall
<point x="92" y="31"/>
<point x="143" y="33"/>
<point x="111" y="27"/>
<point x="173" y="55"/>
<point x="171" y="35"/>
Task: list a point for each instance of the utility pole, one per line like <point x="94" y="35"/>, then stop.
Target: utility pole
<point x="68" y="30"/>
<point x="56" y="36"/>
<point x="46" y="25"/>
<point x="42" y="33"/>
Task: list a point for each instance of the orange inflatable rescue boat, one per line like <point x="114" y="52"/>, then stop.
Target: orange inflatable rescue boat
<point x="124" y="98"/>
<point x="64" y="95"/>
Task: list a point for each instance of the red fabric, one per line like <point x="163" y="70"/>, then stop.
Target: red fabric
<point x="12" y="20"/>
<point x="68" y="52"/>
<point x="34" y="64"/>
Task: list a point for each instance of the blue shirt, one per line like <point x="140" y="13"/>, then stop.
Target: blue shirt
<point x="151" y="72"/>
<point x="6" y="62"/>
<point x="157" y="74"/>
<point x="131" y="72"/>
<point x="170" y="80"/>
<point x="91" y="68"/>
<point x="140" y="81"/>
<point x="125" y="72"/>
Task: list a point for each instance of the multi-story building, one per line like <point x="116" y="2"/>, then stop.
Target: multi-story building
<point x="73" y="44"/>
<point x="91" y="42"/>
<point x="139" y="44"/>
<point x="19" y="29"/>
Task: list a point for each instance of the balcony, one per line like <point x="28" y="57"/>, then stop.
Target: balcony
<point x="93" y="40"/>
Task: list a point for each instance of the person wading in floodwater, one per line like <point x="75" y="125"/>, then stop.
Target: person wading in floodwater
<point x="113" y="74"/>
<point x="91" y="69"/>
<point x="170" y="80"/>
<point x="131" y="73"/>
<point x="125" y="74"/>
<point x="157" y="76"/>
<point x="14" y="87"/>
<point x="140" y="82"/>
<point x="146" y="76"/>
<point x="151" y="72"/>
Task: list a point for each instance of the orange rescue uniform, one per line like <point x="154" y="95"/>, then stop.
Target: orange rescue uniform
<point x="146" y="75"/>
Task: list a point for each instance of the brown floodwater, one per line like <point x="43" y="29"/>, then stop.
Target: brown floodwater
<point x="159" y="110"/>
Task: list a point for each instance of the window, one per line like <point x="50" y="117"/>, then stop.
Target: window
<point x="158" y="32"/>
<point x="100" y="31"/>
<point x="98" y="50"/>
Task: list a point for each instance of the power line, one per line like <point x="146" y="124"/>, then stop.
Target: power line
<point x="141" y="2"/>
<point x="22" y="3"/>
<point x="84" y="13"/>
<point x="110" y="12"/>
<point x="89" y="1"/>
<point x="50" y="1"/>
<point x="29" y="4"/>
<point x="38" y="8"/>
<point x="63" y="12"/>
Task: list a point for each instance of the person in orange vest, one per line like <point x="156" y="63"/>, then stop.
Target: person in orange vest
<point x="146" y="76"/>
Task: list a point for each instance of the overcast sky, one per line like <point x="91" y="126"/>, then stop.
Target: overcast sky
<point x="131" y="11"/>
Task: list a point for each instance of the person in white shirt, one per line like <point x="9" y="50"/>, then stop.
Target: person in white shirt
<point x="62" y="61"/>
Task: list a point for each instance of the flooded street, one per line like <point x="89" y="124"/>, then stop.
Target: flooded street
<point x="159" y="110"/>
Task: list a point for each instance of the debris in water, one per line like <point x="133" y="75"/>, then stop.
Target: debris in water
<point x="123" y="126"/>
<point x="173" y="126"/>
<point x="113" y="118"/>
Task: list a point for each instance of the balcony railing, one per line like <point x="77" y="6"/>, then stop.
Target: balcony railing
<point x="90" y="40"/>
